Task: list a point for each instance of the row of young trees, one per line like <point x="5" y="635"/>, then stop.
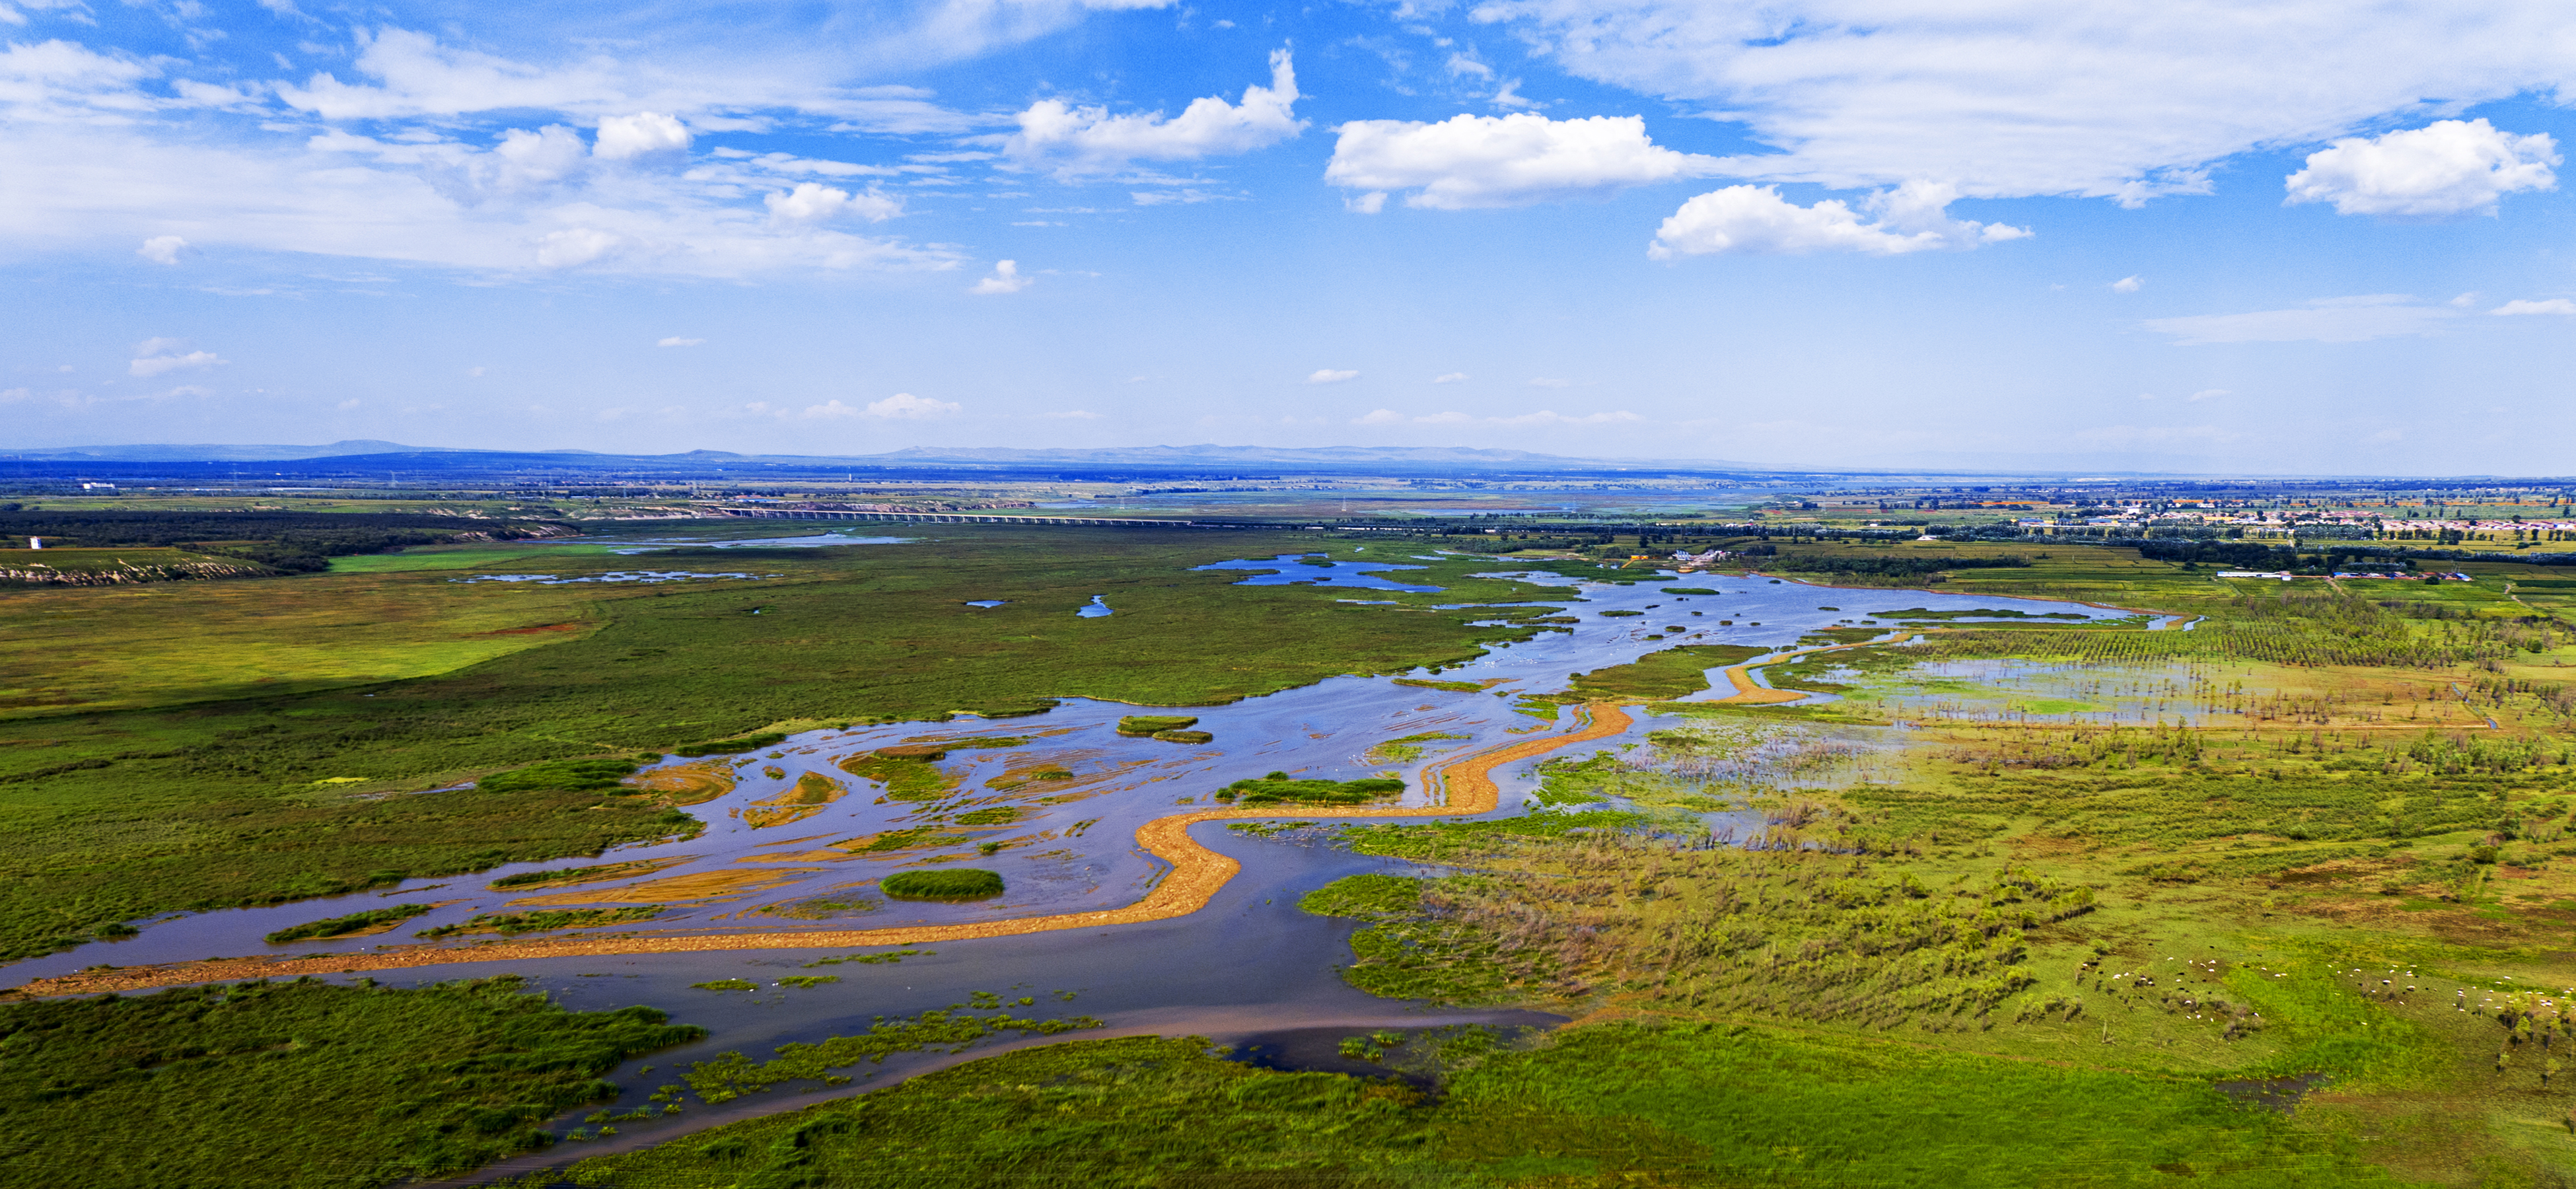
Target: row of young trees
<point x="293" y="541"/>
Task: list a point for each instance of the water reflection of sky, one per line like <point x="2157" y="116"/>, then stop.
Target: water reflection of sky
<point x="809" y="541"/>
<point x="1063" y="842"/>
<point x="1052" y="860"/>
<point x="1535" y="502"/>
<point x="646" y="576"/>
<point x="2016" y="690"/>
<point x="1290" y="569"/>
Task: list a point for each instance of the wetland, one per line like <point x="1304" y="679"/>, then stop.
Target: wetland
<point x="1514" y="873"/>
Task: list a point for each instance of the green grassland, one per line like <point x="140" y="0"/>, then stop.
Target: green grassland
<point x="499" y="558"/>
<point x="173" y="643"/>
<point x="297" y="1084"/>
<point x="1617" y="1104"/>
<point x="1660" y="676"/>
<point x="2139" y="899"/>
<point x="152" y="769"/>
<point x="1990" y="946"/>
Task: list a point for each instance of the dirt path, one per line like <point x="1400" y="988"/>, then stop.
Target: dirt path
<point x="1197" y="873"/>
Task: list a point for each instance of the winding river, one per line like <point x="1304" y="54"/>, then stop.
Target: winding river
<point x="1125" y="887"/>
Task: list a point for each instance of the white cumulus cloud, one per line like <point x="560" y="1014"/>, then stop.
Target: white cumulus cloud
<point x="1913" y="217"/>
<point x="2448" y="167"/>
<point x="1485" y="161"/>
<point x="1072" y="142"/>
<point x="2555" y="305"/>
<point x="97" y="147"/>
<point x="904" y="406"/>
<point x="1450" y="378"/>
<point x="1006" y="278"/>
<point x="1331" y="376"/>
<point x="162" y="249"/>
<point x="2124" y="99"/>
<point x="573" y="247"/>
<point x="813" y="202"/>
<point x="624" y="137"/>
<point x="676" y="341"/>
<point x="2128" y="284"/>
<point x="153" y="357"/>
<point x="524" y="161"/>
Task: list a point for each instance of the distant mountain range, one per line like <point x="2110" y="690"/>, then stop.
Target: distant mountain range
<point x="1213" y="455"/>
<point x="360" y="457"/>
<point x="168" y="453"/>
<point x="1156" y="457"/>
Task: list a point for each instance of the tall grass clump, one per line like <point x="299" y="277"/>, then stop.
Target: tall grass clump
<point x="945" y="883"/>
<point x="1793" y="933"/>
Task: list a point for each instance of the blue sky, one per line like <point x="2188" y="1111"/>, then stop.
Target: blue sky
<point x="2292" y="236"/>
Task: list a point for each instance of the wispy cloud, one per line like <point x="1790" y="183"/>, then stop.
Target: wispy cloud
<point x="1454" y="417"/>
<point x="153" y="357"/>
<point x="2324" y="320"/>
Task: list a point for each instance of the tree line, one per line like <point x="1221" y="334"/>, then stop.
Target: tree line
<point x="292" y="541"/>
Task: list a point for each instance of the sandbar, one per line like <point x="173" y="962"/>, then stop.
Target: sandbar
<point x="1465" y="784"/>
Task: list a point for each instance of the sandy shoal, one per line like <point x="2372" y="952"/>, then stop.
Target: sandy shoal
<point x="1466" y="786"/>
<point x="1748" y="692"/>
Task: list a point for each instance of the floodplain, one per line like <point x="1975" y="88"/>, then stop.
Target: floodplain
<point x="2092" y="869"/>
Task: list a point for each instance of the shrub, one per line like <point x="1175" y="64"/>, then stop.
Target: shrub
<point x="950" y="883"/>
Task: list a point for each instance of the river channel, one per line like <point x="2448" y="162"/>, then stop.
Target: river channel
<point x="799" y="834"/>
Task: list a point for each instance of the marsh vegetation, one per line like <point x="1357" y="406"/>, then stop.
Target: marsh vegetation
<point x="290" y="727"/>
<point x="298" y="1084"/>
<point x="943" y="883"/>
<point x="2007" y="911"/>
